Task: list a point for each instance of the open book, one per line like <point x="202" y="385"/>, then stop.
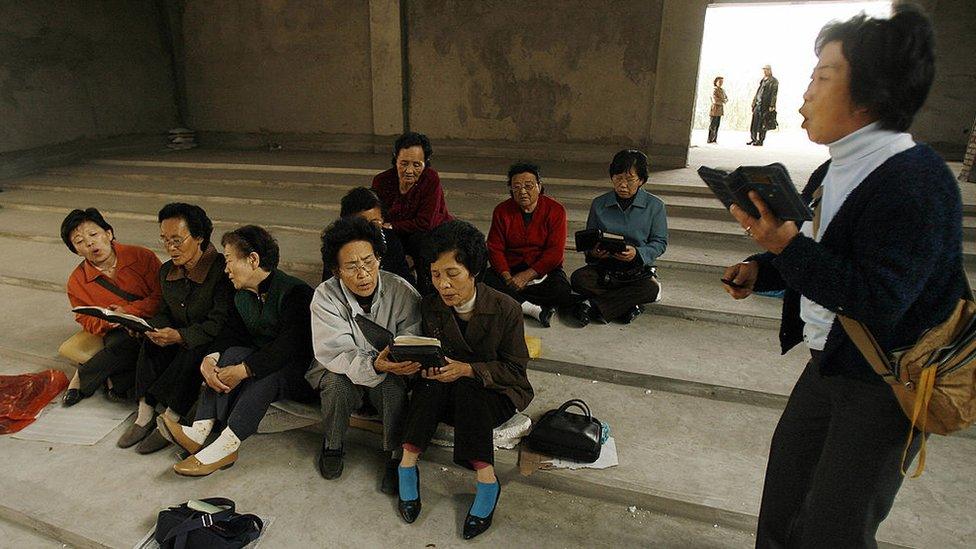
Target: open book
<point x="125" y="320"/>
<point x="772" y="183"/>
<point x="405" y="348"/>
<point x="587" y="239"/>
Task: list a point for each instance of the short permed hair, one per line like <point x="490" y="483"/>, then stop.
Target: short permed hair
<point x="523" y="167"/>
<point x="77" y="217"/>
<point x="892" y="62"/>
<point x="349" y="229"/>
<point x="716" y="79"/>
<point x="195" y="218"/>
<point x="462" y="238"/>
<point x="251" y="238"/>
<point x="624" y="160"/>
<point x="358" y="199"/>
<point x="413" y="139"/>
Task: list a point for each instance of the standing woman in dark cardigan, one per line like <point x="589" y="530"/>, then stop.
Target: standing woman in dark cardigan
<point x="412" y="196"/>
<point x="260" y="356"/>
<point x="196" y="298"/>
<point x="484" y="381"/>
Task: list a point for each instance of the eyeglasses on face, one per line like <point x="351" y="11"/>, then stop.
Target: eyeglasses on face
<point x="174" y="242"/>
<point x="353" y="268"/>
<point x="628" y="179"/>
<point x="524" y="187"/>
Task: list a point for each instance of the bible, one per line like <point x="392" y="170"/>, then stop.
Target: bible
<point x="125" y="320"/>
<point x="405" y="348"/>
<point x="587" y="239"/>
<point x="772" y="183"/>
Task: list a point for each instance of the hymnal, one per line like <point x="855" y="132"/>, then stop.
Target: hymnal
<point x="772" y="183"/>
<point x="125" y="320"/>
<point x="587" y="239"/>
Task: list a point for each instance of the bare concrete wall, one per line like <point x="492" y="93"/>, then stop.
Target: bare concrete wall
<point x="548" y="71"/>
<point x="79" y="69"/>
<point x="278" y="65"/>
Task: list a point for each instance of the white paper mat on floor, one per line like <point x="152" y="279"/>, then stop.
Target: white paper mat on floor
<point x="608" y="458"/>
<point x="507" y="435"/>
<point x="149" y="541"/>
<point x="84" y="423"/>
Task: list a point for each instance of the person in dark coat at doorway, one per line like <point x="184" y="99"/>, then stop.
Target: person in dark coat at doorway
<point x="763" y="103"/>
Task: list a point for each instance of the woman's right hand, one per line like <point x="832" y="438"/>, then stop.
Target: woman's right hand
<point x="744" y="275"/>
<point x="208" y="368"/>
<point x="384" y="364"/>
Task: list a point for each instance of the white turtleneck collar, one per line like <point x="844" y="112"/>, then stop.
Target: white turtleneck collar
<point x="866" y="142"/>
<point x="468" y="306"/>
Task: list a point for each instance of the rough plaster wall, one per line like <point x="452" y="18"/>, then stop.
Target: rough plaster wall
<point x="551" y="71"/>
<point x="75" y="69"/>
<point x="948" y="113"/>
<point x="282" y="65"/>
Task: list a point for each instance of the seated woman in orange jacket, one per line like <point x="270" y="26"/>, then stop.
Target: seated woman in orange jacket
<point x="116" y="276"/>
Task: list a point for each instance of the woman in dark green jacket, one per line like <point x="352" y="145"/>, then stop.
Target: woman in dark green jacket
<point x="260" y="356"/>
<point x="196" y="299"/>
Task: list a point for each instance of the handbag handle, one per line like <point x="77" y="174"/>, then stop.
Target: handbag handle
<point x="577" y="403"/>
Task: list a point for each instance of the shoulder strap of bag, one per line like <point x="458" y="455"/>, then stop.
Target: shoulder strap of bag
<point x="204" y="520"/>
<point x="105" y="283"/>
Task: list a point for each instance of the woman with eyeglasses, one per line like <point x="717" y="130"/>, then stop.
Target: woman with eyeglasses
<point x="259" y="357"/>
<point x="117" y="276"/>
<point x="526" y="245"/>
<point x="413" y="199"/>
<point x="196" y="300"/>
<point x="618" y="284"/>
<point x="483" y="381"/>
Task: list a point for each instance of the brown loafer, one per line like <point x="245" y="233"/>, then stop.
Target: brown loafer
<point x="191" y="466"/>
<point x="135" y="433"/>
<point x="152" y="443"/>
<point x="172" y="430"/>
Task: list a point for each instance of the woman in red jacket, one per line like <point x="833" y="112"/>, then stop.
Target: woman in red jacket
<point x="526" y="245"/>
<point x="412" y="196"/>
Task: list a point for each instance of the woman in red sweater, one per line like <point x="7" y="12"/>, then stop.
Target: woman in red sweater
<point x="526" y="245"/>
<point x="113" y="275"/>
<point x="412" y="196"/>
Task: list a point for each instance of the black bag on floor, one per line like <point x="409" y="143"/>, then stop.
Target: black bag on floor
<point x="562" y="434"/>
<point x="181" y="527"/>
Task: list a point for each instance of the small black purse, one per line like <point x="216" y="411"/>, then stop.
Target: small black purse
<point x="181" y="527"/>
<point x="563" y="434"/>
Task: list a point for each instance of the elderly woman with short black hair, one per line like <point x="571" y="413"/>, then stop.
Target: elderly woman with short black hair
<point x="483" y="382"/>
<point x="259" y="357"/>
<point x="196" y="300"/>
<point x="117" y="276"/>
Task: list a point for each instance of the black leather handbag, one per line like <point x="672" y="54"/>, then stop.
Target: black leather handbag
<point x="181" y="527"/>
<point x="564" y="434"/>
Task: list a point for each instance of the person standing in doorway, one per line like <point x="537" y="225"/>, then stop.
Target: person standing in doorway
<point x="764" y="102"/>
<point x="719" y="99"/>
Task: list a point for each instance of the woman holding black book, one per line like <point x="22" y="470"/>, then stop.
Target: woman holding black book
<point x="617" y="284"/>
<point x="483" y="381"/>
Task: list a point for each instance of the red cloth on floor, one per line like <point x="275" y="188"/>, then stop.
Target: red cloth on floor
<point x="23" y="396"/>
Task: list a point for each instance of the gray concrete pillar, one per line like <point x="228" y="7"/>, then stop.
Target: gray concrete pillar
<point x="386" y="61"/>
<point x="682" y="29"/>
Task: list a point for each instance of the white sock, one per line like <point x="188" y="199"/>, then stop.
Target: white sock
<point x="531" y="309"/>
<point x="199" y="431"/>
<point x="226" y="444"/>
<point x="145" y="414"/>
<point x="168" y="412"/>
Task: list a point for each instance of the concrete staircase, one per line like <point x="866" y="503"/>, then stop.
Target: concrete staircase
<point x="692" y="389"/>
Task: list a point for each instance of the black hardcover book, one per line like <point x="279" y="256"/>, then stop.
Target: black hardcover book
<point x="772" y="183"/>
<point x="425" y="350"/>
<point x="587" y="239"/>
<point x="125" y="320"/>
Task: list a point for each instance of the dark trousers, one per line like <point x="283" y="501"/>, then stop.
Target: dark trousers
<point x="341" y="397"/>
<point x="244" y="407"/>
<point x="713" y="128"/>
<point x="465" y="404"/>
<point x="414" y="245"/>
<point x="115" y="362"/>
<point x="614" y="299"/>
<point x="554" y="291"/>
<point x="169" y="375"/>
<point x="834" y="463"/>
<point x="757" y="131"/>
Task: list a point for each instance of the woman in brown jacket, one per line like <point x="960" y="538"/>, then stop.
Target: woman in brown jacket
<point x="719" y="99"/>
<point x="484" y="381"/>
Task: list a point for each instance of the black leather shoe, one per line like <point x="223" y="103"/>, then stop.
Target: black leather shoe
<point x="410" y="510"/>
<point x="475" y="526"/>
<point x="391" y="480"/>
<point x="630" y="315"/>
<point x="71" y="397"/>
<point x="596" y="316"/>
<point x="751" y="143"/>
<point x="330" y="462"/>
<point x="581" y="312"/>
<point x="545" y="317"/>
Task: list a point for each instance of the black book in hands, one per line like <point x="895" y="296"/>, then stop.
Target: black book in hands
<point x="405" y="348"/>
<point x="772" y="183"/>
<point x="125" y="320"/>
<point x="587" y="239"/>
